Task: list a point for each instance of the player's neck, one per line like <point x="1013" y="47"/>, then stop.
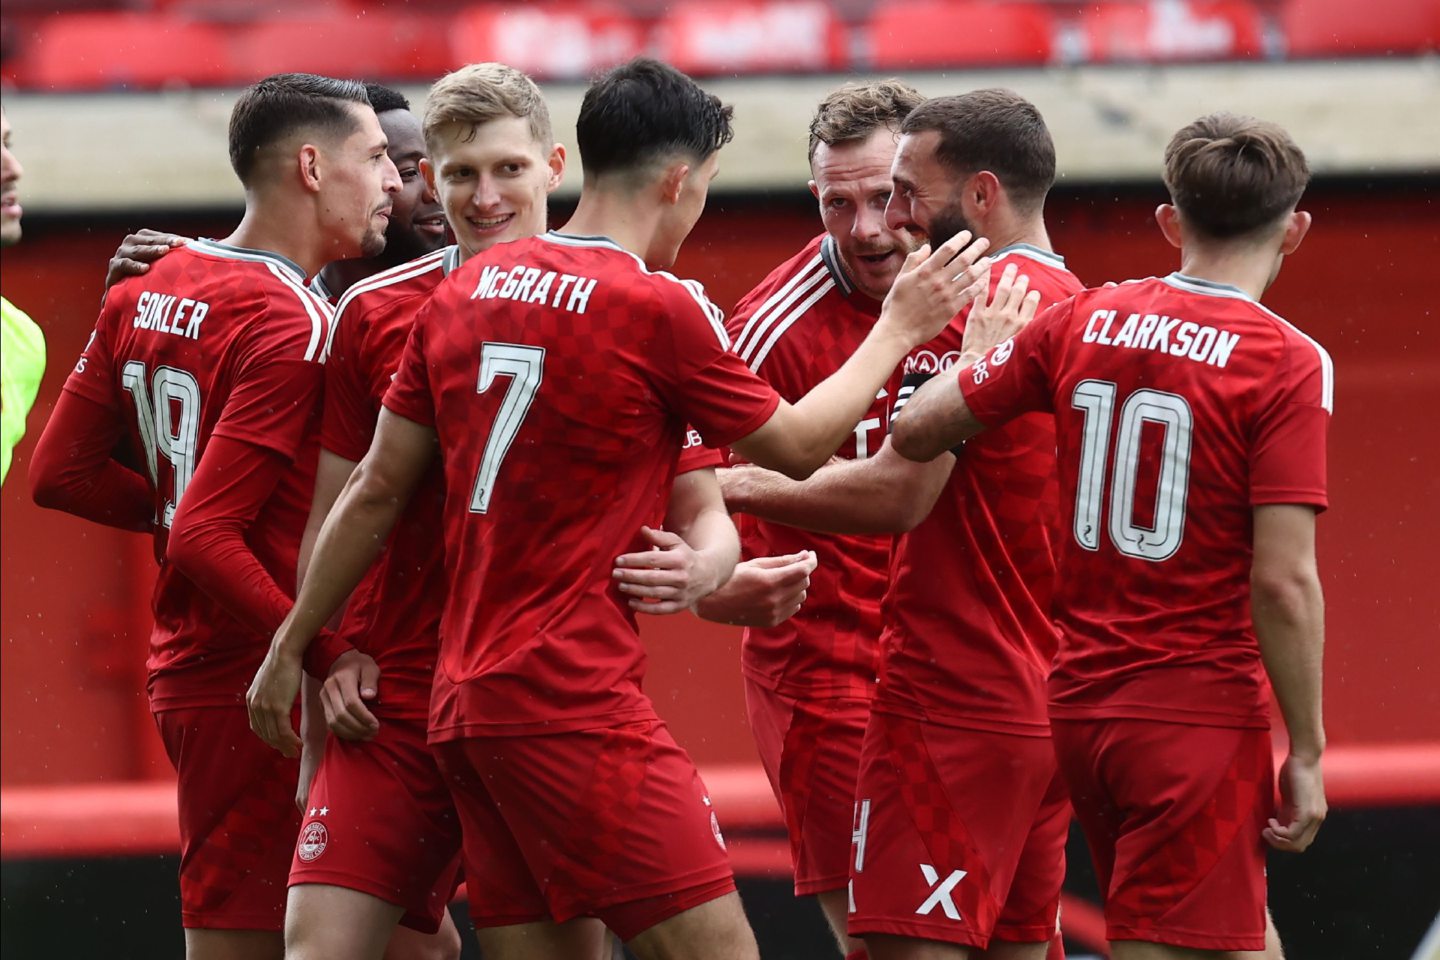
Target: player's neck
<point x="340" y="275"/>
<point x="1243" y="267"/>
<point x="1012" y="232"/>
<point x="631" y="224"/>
<point x="291" y="237"/>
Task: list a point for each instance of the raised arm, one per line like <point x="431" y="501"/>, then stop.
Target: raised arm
<point x="1289" y="614"/>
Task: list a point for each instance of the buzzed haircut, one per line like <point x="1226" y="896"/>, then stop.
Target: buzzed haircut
<point x="384" y="99"/>
<point x="646" y="111"/>
<point x="272" y="109"/>
<point x="996" y="130"/>
<point x="856" y="110"/>
<point x="481" y="92"/>
<point x="1230" y="175"/>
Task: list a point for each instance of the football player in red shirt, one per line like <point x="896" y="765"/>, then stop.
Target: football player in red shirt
<point x="560" y="405"/>
<point x="1192" y="425"/>
<point x="960" y="817"/>
<point x="208" y="368"/>
<point x="810" y="679"/>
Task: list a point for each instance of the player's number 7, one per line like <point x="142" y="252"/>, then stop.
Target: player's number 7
<point x="525" y="367"/>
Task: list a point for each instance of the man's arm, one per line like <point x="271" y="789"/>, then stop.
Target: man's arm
<point x="695" y="553"/>
<point x="762" y="592"/>
<point x="73" y="468"/>
<point x="885" y="493"/>
<point x="1289" y="614"/>
<point x="137" y="251"/>
<point x="352" y="536"/>
<point x="931" y="289"/>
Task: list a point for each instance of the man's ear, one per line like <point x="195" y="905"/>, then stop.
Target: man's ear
<point x="1296" y="227"/>
<point x="672" y="183"/>
<point x="427" y="170"/>
<point x="556" y="162"/>
<point x="814" y="189"/>
<point x="1168" y="217"/>
<point x="308" y="160"/>
<point x="985" y="191"/>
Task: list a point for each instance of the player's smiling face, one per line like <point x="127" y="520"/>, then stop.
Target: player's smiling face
<point x="10" y="172"/>
<point x="852" y="183"/>
<point x="417" y="221"/>
<point x="926" y="196"/>
<point x="493" y="181"/>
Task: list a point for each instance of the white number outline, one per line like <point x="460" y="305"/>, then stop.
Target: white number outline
<point x="160" y="434"/>
<point x="525" y="366"/>
<point x="1096" y="399"/>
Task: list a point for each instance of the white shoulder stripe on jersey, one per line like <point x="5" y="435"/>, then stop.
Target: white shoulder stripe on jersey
<point x="712" y="313"/>
<point x="405" y="271"/>
<point x="1327" y="366"/>
<point x="815" y="274"/>
<point x="789" y="320"/>
<point x="321" y="317"/>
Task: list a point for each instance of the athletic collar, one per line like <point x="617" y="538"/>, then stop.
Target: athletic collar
<point x="218" y="249"/>
<point x="1047" y="257"/>
<point x="830" y="254"/>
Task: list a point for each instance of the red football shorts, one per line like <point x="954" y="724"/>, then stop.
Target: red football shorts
<point x="237" y="819"/>
<point x="1173" y="814"/>
<point x="811" y="752"/>
<point x="959" y="835"/>
<point x="612" y="823"/>
<point x="379" y="820"/>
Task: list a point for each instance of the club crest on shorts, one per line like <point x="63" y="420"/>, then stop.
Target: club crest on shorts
<point x="714" y="823"/>
<point x="313" y="840"/>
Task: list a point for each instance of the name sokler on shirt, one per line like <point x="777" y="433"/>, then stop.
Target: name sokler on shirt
<point x="170" y="313"/>
<point x="532" y="285"/>
<point x="1172" y="335"/>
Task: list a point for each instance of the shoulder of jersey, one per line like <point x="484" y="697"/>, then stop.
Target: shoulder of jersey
<point x="769" y="311"/>
<point x="279" y="283"/>
<point x="666" y="283"/>
<point x="406" y="278"/>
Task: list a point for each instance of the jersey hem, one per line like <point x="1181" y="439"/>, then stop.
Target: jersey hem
<point x="1039" y="730"/>
<point x="859" y="926"/>
<point x="1156" y="714"/>
<point x="480" y="729"/>
<point x="795" y="691"/>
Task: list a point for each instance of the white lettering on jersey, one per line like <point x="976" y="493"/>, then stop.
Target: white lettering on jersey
<point x="168" y="313"/>
<point x="940" y="892"/>
<point x="532" y="285"/>
<point x="1169" y="335"/>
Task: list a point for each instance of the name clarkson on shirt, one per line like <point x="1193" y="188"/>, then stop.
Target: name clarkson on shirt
<point x="1172" y="335"/>
<point x="532" y="285"/>
<point x="169" y="313"/>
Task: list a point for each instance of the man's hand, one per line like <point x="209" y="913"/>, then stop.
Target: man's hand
<point x="763" y="592"/>
<point x="137" y="251"/>
<point x="1302" y="806"/>
<point x="354" y="679"/>
<point x="667" y="579"/>
<point x="1009" y="309"/>
<point x="933" y="287"/>
<point x="271" y="700"/>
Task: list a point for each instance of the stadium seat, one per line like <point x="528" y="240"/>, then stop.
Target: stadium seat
<point x="562" y="42"/>
<point x="376" y="45"/>
<point x="927" y="34"/>
<point x="770" y="35"/>
<point x="1344" y="28"/>
<point x="1163" y="30"/>
<point x="90" y="51"/>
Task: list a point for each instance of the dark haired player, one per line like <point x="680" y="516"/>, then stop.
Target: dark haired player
<point x="208" y="369"/>
<point x="1191" y="423"/>
<point x="559" y="401"/>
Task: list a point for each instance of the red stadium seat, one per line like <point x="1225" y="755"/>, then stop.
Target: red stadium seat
<point x="1344" y="28"/>
<point x="927" y="34"/>
<point x="375" y="45"/>
<point x="758" y="36"/>
<point x="100" y="50"/>
<point x="568" y="42"/>
<point x="1164" y="30"/>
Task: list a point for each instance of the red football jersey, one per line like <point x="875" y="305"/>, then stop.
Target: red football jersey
<point x="1180" y="404"/>
<point x="795" y="329"/>
<point x="968" y="639"/>
<point x="213" y="341"/>
<point x="394" y="614"/>
<point x="560" y="375"/>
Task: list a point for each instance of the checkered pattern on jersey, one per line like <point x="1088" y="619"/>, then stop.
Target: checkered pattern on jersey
<point x="251" y="360"/>
<point x="968" y="639"/>
<point x="797" y="327"/>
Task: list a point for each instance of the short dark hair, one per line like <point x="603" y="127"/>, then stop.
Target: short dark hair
<point x="996" y="130"/>
<point x="275" y="107"/>
<point x="1230" y="175"/>
<point x="856" y="110"/>
<point x="643" y="111"/>
<point x="384" y="99"/>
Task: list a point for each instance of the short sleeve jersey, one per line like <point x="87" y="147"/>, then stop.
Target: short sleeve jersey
<point x="213" y="341"/>
<point x="559" y="374"/>
<point x="394" y="613"/>
<point x="797" y="327"/>
<point x="968" y="639"/>
<point x="1180" y="405"/>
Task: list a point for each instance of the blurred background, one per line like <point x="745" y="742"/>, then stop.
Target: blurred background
<point x="119" y="111"/>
